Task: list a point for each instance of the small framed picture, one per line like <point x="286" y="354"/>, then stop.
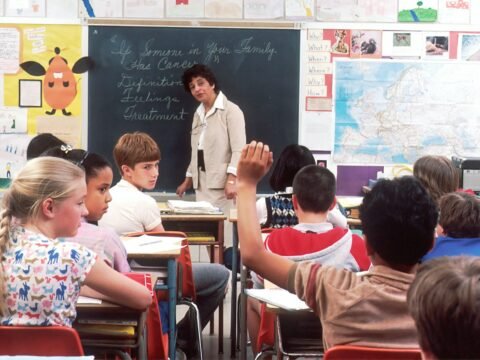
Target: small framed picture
<point x="322" y="163"/>
<point x="29" y="93"/>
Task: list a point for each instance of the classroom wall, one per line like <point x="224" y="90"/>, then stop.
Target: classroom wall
<point x="347" y="47"/>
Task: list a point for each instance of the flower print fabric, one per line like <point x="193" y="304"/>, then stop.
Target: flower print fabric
<point x="43" y="279"/>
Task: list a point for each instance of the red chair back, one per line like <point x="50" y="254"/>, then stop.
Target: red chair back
<point x="40" y="341"/>
<point x="350" y="352"/>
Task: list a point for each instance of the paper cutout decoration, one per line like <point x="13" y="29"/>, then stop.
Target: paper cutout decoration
<point x="59" y="84"/>
<point x="417" y="10"/>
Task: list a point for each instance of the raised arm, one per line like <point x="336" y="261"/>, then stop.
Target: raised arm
<point x="255" y="161"/>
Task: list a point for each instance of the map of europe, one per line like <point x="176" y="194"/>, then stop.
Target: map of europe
<point x="394" y="112"/>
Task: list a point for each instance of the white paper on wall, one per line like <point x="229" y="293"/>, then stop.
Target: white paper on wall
<point x="475" y="12"/>
<point x="10" y="50"/>
<point x="263" y="9"/>
<point x="25" y="8"/>
<point x="65" y="9"/>
<point x="13" y="120"/>
<point x="299" y="8"/>
<point x="143" y="8"/>
<point x="317" y="130"/>
<point x="225" y="9"/>
<point x="357" y="10"/>
<point x="454" y="11"/>
<point x="107" y="8"/>
<point x="402" y="43"/>
<point x="185" y="8"/>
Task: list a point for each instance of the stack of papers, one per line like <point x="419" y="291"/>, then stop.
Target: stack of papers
<point x="147" y="244"/>
<point x="192" y="207"/>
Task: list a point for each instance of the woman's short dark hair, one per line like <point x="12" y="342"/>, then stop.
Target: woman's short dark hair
<point x="199" y="70"/>
<point x="291" y="160"/>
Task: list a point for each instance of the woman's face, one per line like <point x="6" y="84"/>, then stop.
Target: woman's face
<point x="202" y="91"/>
<point x="98" y="193"/>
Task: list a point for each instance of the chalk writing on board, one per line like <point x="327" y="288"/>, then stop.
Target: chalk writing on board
<point x="148" y="91"/>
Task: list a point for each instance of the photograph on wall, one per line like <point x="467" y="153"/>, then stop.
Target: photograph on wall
<point x="366" y="43"/>
<point x="436" y="46"/>
<point x="417" y="10"/>
<point x="454" y="11"/>
<point x="185" y="8"/>
<point x="342" y="42"/>
<point x="263" y="9"/>
<point x="143" y="8"/>
<point x="469" y="47"/>
<point x="402" y="44"/>
<point x="227" y="9"/>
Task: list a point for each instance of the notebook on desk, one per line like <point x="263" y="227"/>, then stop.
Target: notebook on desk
<point x="278" y="297"/>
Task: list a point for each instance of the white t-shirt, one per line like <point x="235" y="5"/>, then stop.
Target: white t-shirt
<point x="130" y="210"/>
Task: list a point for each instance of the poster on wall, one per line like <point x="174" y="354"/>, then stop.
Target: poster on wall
<point x="143" y="8"/>
<point x="263" y="9"/>
<point x="55" y="54"/>
<point x="10" y="49"/>
<point x="25" y="8"/>
<point x="454" y="11"/>
<point x="417" y="10"/>
<point x="357" y="10"/>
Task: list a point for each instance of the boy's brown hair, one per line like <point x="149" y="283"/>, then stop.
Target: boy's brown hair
<point x="444" y="300"/>
<point x="460" y="215"/>
<point x="134" y="148"/>
<point x="437" y="174"/>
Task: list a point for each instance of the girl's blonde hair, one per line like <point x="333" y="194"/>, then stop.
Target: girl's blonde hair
<point x="40" y="179"/>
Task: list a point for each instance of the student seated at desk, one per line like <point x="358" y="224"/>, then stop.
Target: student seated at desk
<point x="137" y="156"/>
<point x="99" y="176"/>
<point x="443" y="300"/>
<point x="313" y="238"/>
<point x="398" y="218"/>
<point x="277" y="211"/>
<point x="458" y="230"/>
<point x="43" y="275"/>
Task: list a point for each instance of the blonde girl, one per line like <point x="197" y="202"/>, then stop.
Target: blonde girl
<point x="40" y="277"/>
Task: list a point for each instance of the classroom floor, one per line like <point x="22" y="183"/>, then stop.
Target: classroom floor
<point x="210" y="342"/>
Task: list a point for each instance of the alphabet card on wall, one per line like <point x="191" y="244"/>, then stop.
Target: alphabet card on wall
<point x="417" y="10"/>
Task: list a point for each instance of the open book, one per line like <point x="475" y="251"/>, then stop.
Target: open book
<point x="192" y="207"/>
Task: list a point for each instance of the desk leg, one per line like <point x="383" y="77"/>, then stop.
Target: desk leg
<point x="243" y="314"/>
<point x="233" y="317"/>
<point x="221" y="230"/>
<point x="172" y="307"/>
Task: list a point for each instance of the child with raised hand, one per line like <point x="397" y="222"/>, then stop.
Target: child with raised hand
<point x="398" y="218"/>
<point x="99" y="176"/>
<point x="458" y="230"/>
<point x="41" y="277"/>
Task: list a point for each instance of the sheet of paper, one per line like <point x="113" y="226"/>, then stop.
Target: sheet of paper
<point x="143" y="8"/>
<point x="147" y="244"/>
<point x="64" y="9"/>
<point x="263" y="9"/>
<point x="278" y="297"/>
<point x="13" y="120"/>
<point x="227" y="9"/>
<point x="454" y="11"/>
<point x="185" y="8"/>
<point x="107" y="8"/>
<point x="10" y="50"/>
<point x="317" y="130"/>
<point x="25" y="8"/>
<point x="67" y="128"/>
<point x="299" y="9"/>
<point x="88" y="300"/>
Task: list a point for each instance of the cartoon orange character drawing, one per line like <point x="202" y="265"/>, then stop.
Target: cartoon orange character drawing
<point x="59" y="84"/>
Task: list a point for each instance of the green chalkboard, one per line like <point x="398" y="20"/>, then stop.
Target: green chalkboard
<point x="135" y="86"/>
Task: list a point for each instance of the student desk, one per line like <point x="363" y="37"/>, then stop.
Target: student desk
<point x="170" y="257"/>
<point x="194" y="225"/>
<point x="109" y="314"/>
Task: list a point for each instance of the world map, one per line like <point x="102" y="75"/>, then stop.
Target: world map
<point x="390" y="111"/>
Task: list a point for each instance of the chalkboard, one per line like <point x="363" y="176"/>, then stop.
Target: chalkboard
<point x="135" y="86"/>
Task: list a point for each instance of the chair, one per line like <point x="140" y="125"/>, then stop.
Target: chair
<point x="186" y="294"/>
<point x="350" y="352"/>
<point x="40" y="341"/>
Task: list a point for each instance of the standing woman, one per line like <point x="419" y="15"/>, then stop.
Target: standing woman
<point x="217" y="139"/>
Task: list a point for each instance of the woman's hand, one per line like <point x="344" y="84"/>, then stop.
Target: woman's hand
<point x="231" y="187"/>
<point x="187" y="184"/>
